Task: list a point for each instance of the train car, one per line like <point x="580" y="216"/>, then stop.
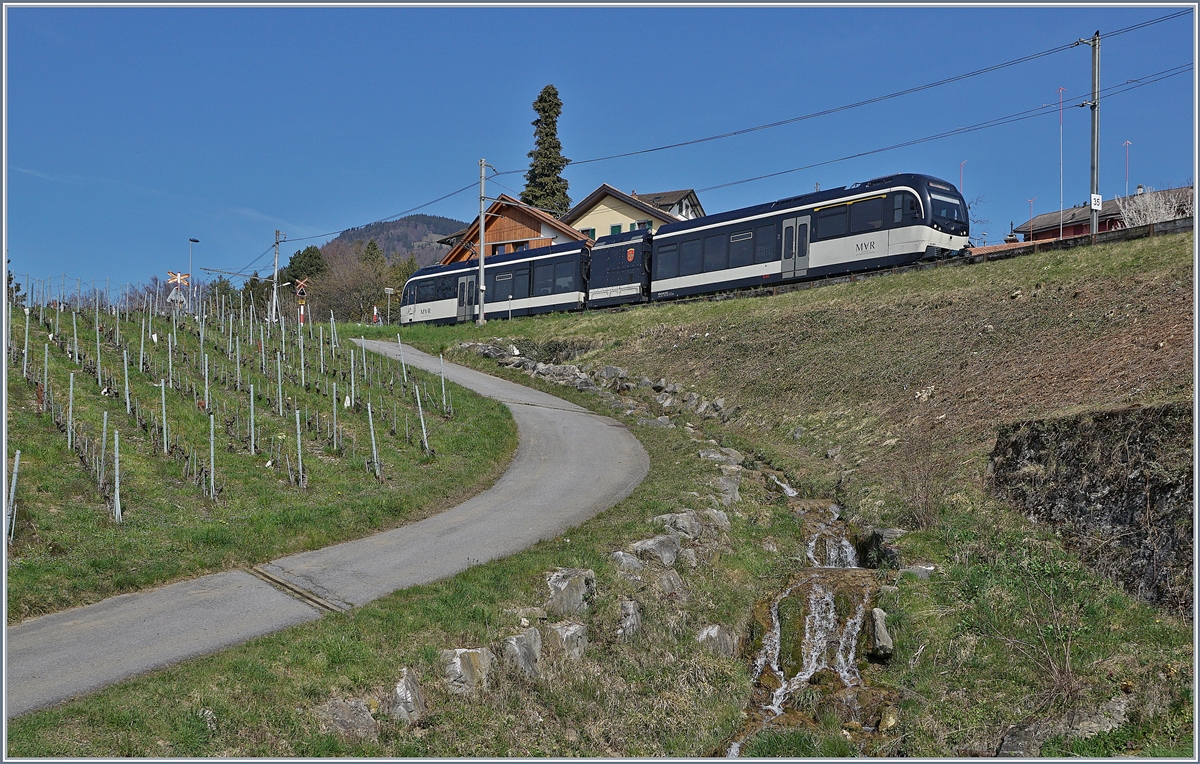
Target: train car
<point x="618" y="269"/>
<point x="521" y="283"/>
<point x="893" y="220"/>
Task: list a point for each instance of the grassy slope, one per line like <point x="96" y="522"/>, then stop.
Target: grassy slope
<point x="845" y="363"/>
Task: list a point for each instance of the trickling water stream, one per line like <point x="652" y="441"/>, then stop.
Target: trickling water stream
<point x="832" y="594"/>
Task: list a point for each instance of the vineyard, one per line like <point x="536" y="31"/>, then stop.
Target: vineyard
<point x="196" y="442"/>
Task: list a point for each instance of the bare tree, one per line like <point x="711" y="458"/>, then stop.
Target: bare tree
<point x="1156" y="206"/>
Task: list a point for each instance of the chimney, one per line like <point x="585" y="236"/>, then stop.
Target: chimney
<point x="1140" y="190"/>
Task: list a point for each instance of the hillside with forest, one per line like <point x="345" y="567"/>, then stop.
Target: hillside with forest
<point x="415" y="235"/>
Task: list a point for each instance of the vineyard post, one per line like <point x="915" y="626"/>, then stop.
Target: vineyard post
<point x="374" y="450"/>
<point x="117" y="474"/>
<point x="12" y="497"/>
<point x="103" y="448"/>
<point x="251" y="419"/>
<point x="71" y="413"/>
<point x="212" y="457"/>
<point x="299" y="452"/>
<point x="162" y="387"/>
<point x="125" y="355"/>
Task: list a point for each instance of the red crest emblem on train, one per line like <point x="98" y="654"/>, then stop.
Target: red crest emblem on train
<point x="629" y="254"/>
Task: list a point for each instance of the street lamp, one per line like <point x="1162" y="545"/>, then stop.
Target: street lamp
<point x="388" y="291"/>
<point x="191" y="281"/>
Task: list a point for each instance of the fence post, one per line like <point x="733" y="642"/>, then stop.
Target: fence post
<point x="212" y="457"/>
<point x="352" y="355"/>
<point x="125" y="355"/>
<point x="374" y="450"/>
<point x="299" y="452"/>
<point x="206" y="404"/>
<point x="300" y="341"/>
<point x="251" y="420"/>
<point x="25" y="352"/>
<point x="12" y="497"/>
<point x="45" y="375"/>
<point x="421" y="414"/>
<point x="103" y="448"/>
<point x="403" y="368"/>
<point x="442" y="367"/>
<point x="279" y="381"/>
<point x="162" y="387"/>
<point x="71" y="413"/>
<point x="117" y="474"/>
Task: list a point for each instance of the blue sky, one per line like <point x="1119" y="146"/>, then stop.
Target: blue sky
<point x="129" y="130"/>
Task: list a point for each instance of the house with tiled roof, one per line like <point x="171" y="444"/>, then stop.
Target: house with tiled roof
<point x="608" y="210"/>
<point x="511" y="227"/>
<point x="1077" y="221"/>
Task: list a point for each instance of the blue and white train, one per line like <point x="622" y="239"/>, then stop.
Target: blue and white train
<point x="880" y="223"/>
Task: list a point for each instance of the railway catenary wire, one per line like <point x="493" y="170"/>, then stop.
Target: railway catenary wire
<point x="756" y="128"/>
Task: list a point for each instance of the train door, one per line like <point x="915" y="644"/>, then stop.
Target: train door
<point x="466" y="298"/>
<point x="795" y="247"/>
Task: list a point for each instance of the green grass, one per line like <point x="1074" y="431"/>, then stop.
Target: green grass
<point x="68" y="548"/>
<point x="972" y="643"/>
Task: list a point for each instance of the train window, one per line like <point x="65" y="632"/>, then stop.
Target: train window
<point x="447" y="286"/>
<point x="741" y="249"/>
<point x="904" y="206"/>
<point x="690" y="257"/>
<point x="832" y="221"/>
<point x="714" y="253"/>
<point x="764" y="244"/>
<point x="499" y="286"/>
<point x="543" y="279"/>
<point x="666" y="262"/>
<point x="426" y="291"/>
<point x="462" y="293"/>
<point x="866" y="215"/>
<point x="564" y="276"/>
<point x="520" y="284"/>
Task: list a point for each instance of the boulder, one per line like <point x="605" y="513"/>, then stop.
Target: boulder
<point x="407" y="701"/>
<point x="797" y="433"/>
<point x="570" y="590"/>
<point x="715" y="455"/>
<point x="717" y="518"/>
<point x="524" y="651"/>
<point x="631" y="619"/>
<point x="674" y="388"/>
<point x="717" y="640"/>
<point x="689" y="557"/>
<point x="664" y="399"/>
<point x="728" y="483"/>
<point x="690" y="401"/>
<point x="664" y="547"/>
<point x="670" y="584"/>
<point x="626" y="561"/>
<point x="881" y="641"/>
<point x="645" y="382"/>
<point x="350" y="720"/>
<point x="718" y="404"/>
<point x="684" y="523"/>
<point x="659" y="386"/>
<point x="525" y="614"/>
<point x="704" y="408"/>
<point x="467" y="669"/>
<point x="920" y="570"/>
<point x="610" y="372"/>
<point x="568" y="638"/>
<point x="662" y="421"/>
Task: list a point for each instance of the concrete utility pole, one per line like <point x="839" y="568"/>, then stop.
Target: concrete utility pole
<point x="275" y="279"/>
<point x="1095" y="104"/>
<point x="482" y="241"/>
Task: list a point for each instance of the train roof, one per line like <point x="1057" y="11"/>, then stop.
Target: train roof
<point x="473" y="264"/>
<point x="814" y="197"/>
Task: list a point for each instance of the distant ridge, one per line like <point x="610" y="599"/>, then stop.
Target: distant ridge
<point x="415" y="234"/>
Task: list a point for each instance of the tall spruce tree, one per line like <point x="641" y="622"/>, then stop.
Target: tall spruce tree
<point x="544" y="186"/>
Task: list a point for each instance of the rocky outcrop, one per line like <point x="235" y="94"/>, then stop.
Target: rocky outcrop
<point x="881" y="642"/>
<point x="631" y="619"/>
<point x="568" y="639"/>
<point x="467" y="670"/>
<point x="570" y="590"/>
<point x="664" y="548"/>
<point x="1118" y="487"/>
<point x="350" y="720"/>
<point x="718" y="640"/>
<point x="407" y="701"/>
<point x="684" y="523"/>
<point x="524" y="651"/>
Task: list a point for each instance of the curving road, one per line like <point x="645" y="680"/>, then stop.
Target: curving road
<point x="570" y="465"/>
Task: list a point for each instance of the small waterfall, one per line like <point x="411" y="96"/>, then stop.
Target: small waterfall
<point x="829" y="642"/>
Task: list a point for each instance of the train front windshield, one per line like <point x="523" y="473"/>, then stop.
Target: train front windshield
<point x="948" y="210"/>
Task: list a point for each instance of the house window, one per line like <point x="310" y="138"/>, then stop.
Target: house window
<point x="497" y="249"/>
<point x="641" y="225"/>
<point x="520" y="246"/>
<point x="613" y="230"/>
<point x="589" y="232"/>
